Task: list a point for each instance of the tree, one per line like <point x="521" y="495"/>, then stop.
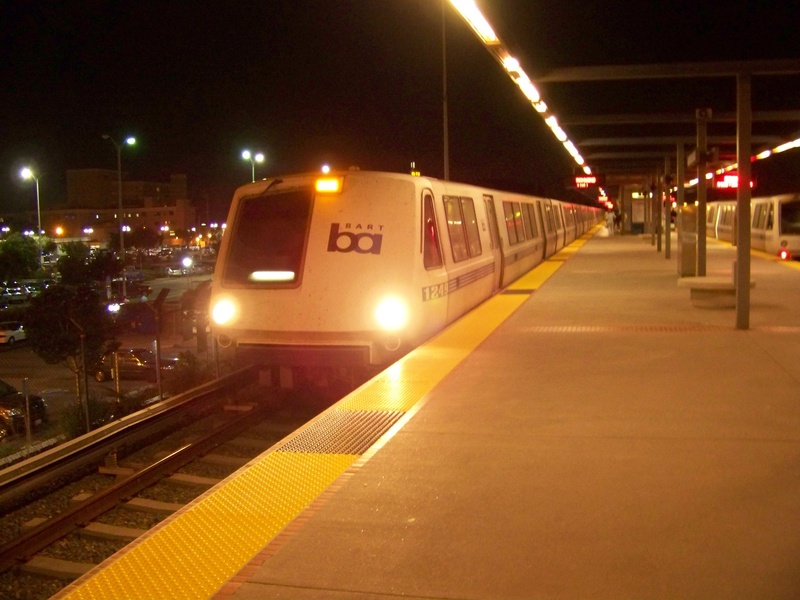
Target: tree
<point x="74" y="264"/>
<point x="19" y="257"/>
<point x="79" y="265"/>
<point x="144" y="238"/>
<point x="55" y="321"/>
<point x="103" y="264"/>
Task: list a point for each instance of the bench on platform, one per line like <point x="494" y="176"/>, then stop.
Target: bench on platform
<point x="711" y="292"/>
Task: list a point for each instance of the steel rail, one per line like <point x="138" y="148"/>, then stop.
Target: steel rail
<point x="57" y="463"/>
<point x="30" y="543"/>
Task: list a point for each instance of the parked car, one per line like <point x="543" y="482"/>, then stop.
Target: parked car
<point x="12" y="410"/>
<point x="11" y="332"/>
<point x="133" y="363"/>
<point x="12" y="293"/>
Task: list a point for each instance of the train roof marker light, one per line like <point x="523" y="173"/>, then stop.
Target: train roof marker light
<point x="329" y="185"/>
<point x="476" y="20"/>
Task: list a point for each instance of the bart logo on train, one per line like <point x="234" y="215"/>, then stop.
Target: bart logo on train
<point x="347" y="241"/>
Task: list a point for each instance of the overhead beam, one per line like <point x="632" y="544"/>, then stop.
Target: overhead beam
<point x="674" y="140"/>
<point x="672" y="71"/>
<point x="614" y="155"/>
<point x="673" y="118"/>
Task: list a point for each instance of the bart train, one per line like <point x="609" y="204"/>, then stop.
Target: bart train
<point x="355" y="268"/>
<point x="774" y="228"/>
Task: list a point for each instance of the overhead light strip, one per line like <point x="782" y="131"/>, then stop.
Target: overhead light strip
<point x="491" y="41"/>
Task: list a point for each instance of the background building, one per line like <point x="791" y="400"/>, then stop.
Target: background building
<point x="91" y="210"/>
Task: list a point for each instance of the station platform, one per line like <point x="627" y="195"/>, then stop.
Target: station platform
<point x="587" y="433"/>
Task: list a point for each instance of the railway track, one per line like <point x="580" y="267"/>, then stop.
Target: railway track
<point x="64" y="535"/>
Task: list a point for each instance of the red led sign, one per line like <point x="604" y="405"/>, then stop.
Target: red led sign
<point x="727" y="181"/>
<point x="585" y="181"/>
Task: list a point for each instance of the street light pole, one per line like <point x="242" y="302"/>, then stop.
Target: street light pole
<point x="258" y="157"/>
<point x="130" y="141"/>
<point x="27" y="173"/>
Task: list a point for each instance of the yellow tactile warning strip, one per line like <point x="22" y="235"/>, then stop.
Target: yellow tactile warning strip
<point x="195" y="552"/>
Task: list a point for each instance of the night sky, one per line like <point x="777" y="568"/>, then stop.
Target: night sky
<point x="345" y="82"/>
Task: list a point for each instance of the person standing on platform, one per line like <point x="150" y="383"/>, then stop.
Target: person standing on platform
<point x="610" y="222"/>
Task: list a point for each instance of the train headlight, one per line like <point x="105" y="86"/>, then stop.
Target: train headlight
<point x="222" y="312"/>
<point x="391" y="314"/>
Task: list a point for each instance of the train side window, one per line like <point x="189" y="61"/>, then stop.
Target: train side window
<point x="518" y="221"/>
<point x="758" y="217"/>
<point x="790" y="217"/>
<point x="770" y="216"/>
<point x="557" y="212"/>
<point x="526" y="218"/>
<point x="526" y="221"/>
<point x="455" y="227"/>
<point x="431" y="249"/>
<point x="471" y="225"/>
<point x="508" y="212"/>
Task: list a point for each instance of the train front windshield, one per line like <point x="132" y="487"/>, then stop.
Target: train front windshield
<point x="267" y="243"/>
<point x="790" y="217"/>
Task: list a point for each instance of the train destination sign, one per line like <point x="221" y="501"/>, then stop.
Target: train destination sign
<point x="587" y="181"/>
<point x="728" y="181"/>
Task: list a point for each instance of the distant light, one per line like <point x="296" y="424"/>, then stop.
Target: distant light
<point x="130" y="141"/>
<point x="326" y="169"/>
<point x="247" y="155"/>
<point x="26" y="173"/>
<point x="187" y="262"/>
<point x="59" y="231"/>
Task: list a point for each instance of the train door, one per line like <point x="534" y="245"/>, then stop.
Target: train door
<point x="558" y="213"/>
<point x="548" y="231"/>
<point x="554" y="239"/>
<point x="495" y="240"/>
<point x="758" y="225"/>
<point x="432" y="277"/>
<point x="570" y="224"/>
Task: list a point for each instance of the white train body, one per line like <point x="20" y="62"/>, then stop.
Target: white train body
<point x="774" y="228"/>
<point x="358" y="274"/>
